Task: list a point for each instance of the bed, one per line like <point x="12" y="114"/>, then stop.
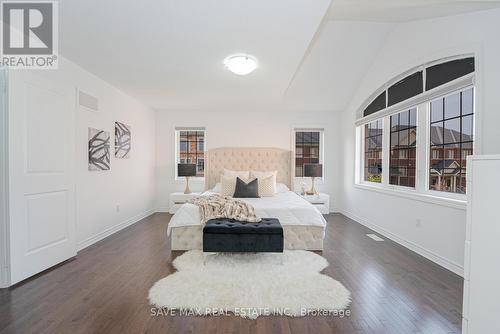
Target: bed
<point x="303" y="225"/>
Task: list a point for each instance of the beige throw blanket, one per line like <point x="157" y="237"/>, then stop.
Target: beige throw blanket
<point x="217" y="206"/>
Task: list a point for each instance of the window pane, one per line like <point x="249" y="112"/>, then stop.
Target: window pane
<point x="373" y="151"/>
<point x="307" y="149"/>
<point x="452" y="106"/>
<point x="183" y="135"/>
<point x="410" y="86"/>
<point x="183" y="146"/>
<point x="315" y="136"/>
<point x="437" y="133"/>
<point x="437" y="110"/>
<point x="404" y="119"/>
<point x="394" y="139"/>
<point x="445" y="72"/>
<point x="314" y="152"/>
<point x="467" y="102"/>
<point x="467" y="128"/>
<point x="436" y="154"/>
<point x="298" y="151"/>
<point x="394" y="122"/>
<point x="403" y="138"/>
<point x="413" y="117"/>
<point x="191" y="149"/>
<point x="307" y="137"/>
<point x="403" y="148"/>
<point x="377" y="104"/>
<point x="451" y="131"/>
<point x="447" y="170"/>
<point x="466" y="151"/>
<point x="411" y="182"/>
<point x="412" y="137"/>
<point x="451" y="152"/>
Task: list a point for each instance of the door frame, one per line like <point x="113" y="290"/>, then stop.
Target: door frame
<point x="4" y="180"/>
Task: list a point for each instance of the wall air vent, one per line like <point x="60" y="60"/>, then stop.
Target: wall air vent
<point x="88" y="101"/>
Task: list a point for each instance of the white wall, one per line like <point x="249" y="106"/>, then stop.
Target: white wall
<point x="240" y="128"/>
<point x="3" y="181"/>
<point x="440" y="234"/>
<point x="131" y="182"/>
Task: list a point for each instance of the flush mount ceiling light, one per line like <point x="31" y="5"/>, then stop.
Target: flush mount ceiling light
<point x="241" y="64"/>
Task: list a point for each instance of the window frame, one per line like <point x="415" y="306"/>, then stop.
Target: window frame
<point x="177" y="131"/>
<point x="363" y="152"/>
<point x="417" y="127"/>
<point x="423" y="149"/>
<point x="447" y="194"/>
<point x="321" y="150"/>
<point x="384" y="89"/>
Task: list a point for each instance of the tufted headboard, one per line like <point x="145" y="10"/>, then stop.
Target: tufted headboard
<point x="247" y="158"/>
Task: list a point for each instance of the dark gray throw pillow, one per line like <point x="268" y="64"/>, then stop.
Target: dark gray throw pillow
<point x="246" y="190"/>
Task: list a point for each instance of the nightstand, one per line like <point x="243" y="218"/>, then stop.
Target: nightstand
<point x="177" y="199"/>
<point x="321" y="201"/>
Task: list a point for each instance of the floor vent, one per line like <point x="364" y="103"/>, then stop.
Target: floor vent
<point x="88" y="101"/>
<point x="374" y="237"/>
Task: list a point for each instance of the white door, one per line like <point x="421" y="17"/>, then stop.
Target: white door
<point x="42" y="182"/>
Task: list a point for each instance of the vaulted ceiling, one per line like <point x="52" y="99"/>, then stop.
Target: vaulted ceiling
<point x="169" y="53"/>
<point x="404" y="10"/>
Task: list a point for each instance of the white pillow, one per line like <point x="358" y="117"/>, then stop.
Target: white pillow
<point x="261" y="175"/>
<point x="217" y="187"/>
<point x="242" y="174"/>
<point x="267" y="186"/>
<point x="281" y="188"/>
<point x="228" y="185"/>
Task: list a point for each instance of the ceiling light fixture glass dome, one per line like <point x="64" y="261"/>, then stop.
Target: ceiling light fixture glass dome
<point x="241" y="64"/>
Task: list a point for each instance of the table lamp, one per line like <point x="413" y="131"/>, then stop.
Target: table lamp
<point x="313" y="171"/>
<point x="186" y="170"/>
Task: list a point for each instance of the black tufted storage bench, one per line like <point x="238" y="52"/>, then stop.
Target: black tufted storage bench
<point x="229" y="235"/>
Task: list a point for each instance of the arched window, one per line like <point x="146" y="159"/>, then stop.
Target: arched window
<point x="417" y="130"/>
<point x="421" y="79"/>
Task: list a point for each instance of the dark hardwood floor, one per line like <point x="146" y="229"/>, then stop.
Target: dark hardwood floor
<point x="104" y="290"/>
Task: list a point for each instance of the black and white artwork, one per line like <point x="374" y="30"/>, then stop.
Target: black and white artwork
<point x="99" y="142"/>
<point x="122" y="140"/>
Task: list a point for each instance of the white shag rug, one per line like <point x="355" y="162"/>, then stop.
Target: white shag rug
<point x="250" y="285"/>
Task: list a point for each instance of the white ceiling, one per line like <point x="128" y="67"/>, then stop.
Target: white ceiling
<point x="404" y="10"/>
<point x="169" y="53"/>
<point x="327" y="78"/>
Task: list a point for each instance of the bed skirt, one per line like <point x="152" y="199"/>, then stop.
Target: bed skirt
<point x="296" y="237"/>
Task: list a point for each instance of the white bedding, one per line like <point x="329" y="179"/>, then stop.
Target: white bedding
<point x="288" y="207"/>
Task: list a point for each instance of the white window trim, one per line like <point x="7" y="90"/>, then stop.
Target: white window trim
<point x="321" y="131"/>
<point x="451" y="85"/>
<point x="421" y="191"/>
<point x="177" y="129"/>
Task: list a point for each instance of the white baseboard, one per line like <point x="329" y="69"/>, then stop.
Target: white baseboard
<point x="438" y="259"/>
<point x="163" y="209"/>
<point x="113" y="229"/>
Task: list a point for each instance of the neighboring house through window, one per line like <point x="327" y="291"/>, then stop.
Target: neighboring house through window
<point x="190" y="148"/>
<point x="451" y="132"/>
<point x="373" y="151"/>
<point x="437" y="99"/>
<point x="308" y="148"/>
<point x="403" y="144"/>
